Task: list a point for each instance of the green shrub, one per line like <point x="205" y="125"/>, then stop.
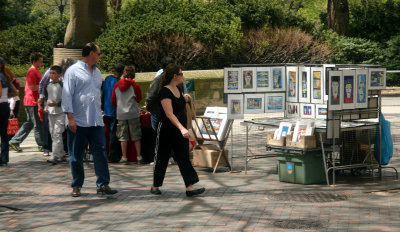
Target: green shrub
<point x="392" y="60"/>
<point x="18" y="42"/>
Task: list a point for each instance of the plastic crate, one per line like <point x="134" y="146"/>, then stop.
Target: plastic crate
<point x="301" y="169"/>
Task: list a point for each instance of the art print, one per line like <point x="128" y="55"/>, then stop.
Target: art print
<point x="274" y="102"/>
<point x="235" y="106"/>
<point x="292" y="82"/>
<point x="292" y="109"/>
<point x="377" y="78"/>
<point x="263" y="79"/>
<point x="218" y="119"/>
<point x="254" y="103"/>
<point x="307" y="110"/>
<point x="361" y="88"/>
<point x="304" y="84"/>
<point x="335" y="90"/>
<point x="232" y="80"/>
<point x="348" y="89"/>
<point x="278" y="79"/>
<point x="325" y="70"/>
<point x="248" y="80"/>
<point x="316" y="83"/>
<point x="321" y="111"/>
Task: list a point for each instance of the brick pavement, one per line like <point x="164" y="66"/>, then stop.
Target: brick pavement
<point x="34" y="196"/>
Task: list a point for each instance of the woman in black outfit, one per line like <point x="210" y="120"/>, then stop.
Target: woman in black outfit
<point x="172" y="134"/>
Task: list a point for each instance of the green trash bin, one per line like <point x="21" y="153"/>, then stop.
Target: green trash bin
<point x="301" y="169"/>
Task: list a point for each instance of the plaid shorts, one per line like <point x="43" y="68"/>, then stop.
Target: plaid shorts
<point x="129" y="127"/>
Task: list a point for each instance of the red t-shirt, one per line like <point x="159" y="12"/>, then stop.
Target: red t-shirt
<point x="33" y="77"/>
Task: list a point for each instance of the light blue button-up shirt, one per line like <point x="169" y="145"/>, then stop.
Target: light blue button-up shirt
<point x="81" y="94"/>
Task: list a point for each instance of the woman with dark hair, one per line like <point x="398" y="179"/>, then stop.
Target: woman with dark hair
<point x="172" y="134"/>
<point x="5" y="88"/>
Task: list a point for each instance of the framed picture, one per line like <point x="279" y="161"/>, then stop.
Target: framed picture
<point x="361" y="88"/>
<point x="254" y="103"/>
<point x="377" y="78"/>
<point x="235" y="106"/>
<point x="348" y="89"/>
<point x="263" y="79"/>
<point x="335" y="90"/>
<point x="232" y="80"/>
<point x="292" y="109"/>
<point x="278" y="79"/>
<point x="274" y="102"/>
<point x="307" y="110"/>
<point x="326" y="68"/>
<point x="249" y="79"/>
<point x="317" y="85"/>
<point x="304" y="84"/>
<point x="293" y="86"/>
<point x="321" y="111"/>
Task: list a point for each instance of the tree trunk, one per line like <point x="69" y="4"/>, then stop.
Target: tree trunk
<point x="338" y="16"/>
<point x="115" y="5"/>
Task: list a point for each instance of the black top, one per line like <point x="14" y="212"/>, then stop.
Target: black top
<point x="178" y="106"/>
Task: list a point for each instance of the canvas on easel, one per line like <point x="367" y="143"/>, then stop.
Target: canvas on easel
<point x="348" y="89"/>
<point x="249" y="79"/>
<point x="317" y="85"/>
<point x="292" y="82"/>
<point x="278" y="79"/>
<point x="218" y="119"/>
<point x="232" y="80"/>
<point x="361" y="88"/>
<point x="263" y="79"/>
<point x="235" y="106"/>
<point x="335" y="90"/>
<point x="377" y="78"/>
<point x="304" y="84"/>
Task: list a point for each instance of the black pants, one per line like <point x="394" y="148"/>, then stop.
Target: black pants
<point x="170" y="139"/>
<point x="4" y="115"/>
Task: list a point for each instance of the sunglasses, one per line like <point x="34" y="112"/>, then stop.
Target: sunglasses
<point x="180" y="74"/>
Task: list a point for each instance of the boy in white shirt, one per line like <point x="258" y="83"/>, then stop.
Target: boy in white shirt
<point x="53" y="96"/>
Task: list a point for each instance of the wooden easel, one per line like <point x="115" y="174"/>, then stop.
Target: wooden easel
<point x="212" y="136"/>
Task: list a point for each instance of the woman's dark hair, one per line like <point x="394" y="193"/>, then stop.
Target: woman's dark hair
<point x="89" y="47"/>
<point x="3" y="70"/>
<point x="168" y="74"/>
<point x="130" y="71"/>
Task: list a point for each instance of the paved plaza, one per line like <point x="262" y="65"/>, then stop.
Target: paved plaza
<point x="35" y="196"/>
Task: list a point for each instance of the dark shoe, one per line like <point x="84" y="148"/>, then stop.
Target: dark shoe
<point x="41" y="149"/>
<point x="106" y="190"/>
<point x="15" y="147"/>
<point x="76" y="192"/>
<point x="195" y="192"/>
<point x="155" y="191"/>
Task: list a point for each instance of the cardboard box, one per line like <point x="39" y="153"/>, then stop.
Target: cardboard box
<point x="305" y="142"/>
<point x="207" y="156"/>
<point x="271" y="141"/>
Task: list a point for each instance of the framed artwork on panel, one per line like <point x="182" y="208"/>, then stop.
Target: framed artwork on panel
<point x="292" y="81"/>
<point x="307" y="110"/>
<point x="304" y="84"/>
<point x="348" y="89"/>
<point x="321" y="111"/>
<point x="377" y="78"/>
<point x="361" y="88"/>
<point x="263" y="79"/>
<point x="274" y="102"/>
<point x="278" y="79"/>
<point x="235" y="106"/>
<point x="232" y="80"/>
<point x="317" y="85"/>
<point x="326" y="68"/>
<point x="249" y="79"/>
<point x="335" y="90"/>
<point x="292" y="109"/>
<point x="254" y="103"/>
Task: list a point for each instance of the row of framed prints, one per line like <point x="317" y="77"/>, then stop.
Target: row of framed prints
<point x="240" y="104"/>
<point x="348" y="88"/>
<point x="304" y="84"/>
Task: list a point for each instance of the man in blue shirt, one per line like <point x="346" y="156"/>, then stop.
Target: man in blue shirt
<point x="110" y="115"/>
<point x="81" y="101"/>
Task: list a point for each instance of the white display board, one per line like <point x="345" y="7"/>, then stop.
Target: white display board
<point x="232" y="80"/>
<point x="235" y="106"/>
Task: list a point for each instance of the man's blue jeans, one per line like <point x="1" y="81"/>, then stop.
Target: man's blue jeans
<point x="155" y="118"/>
<point x="76" y="150"/>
